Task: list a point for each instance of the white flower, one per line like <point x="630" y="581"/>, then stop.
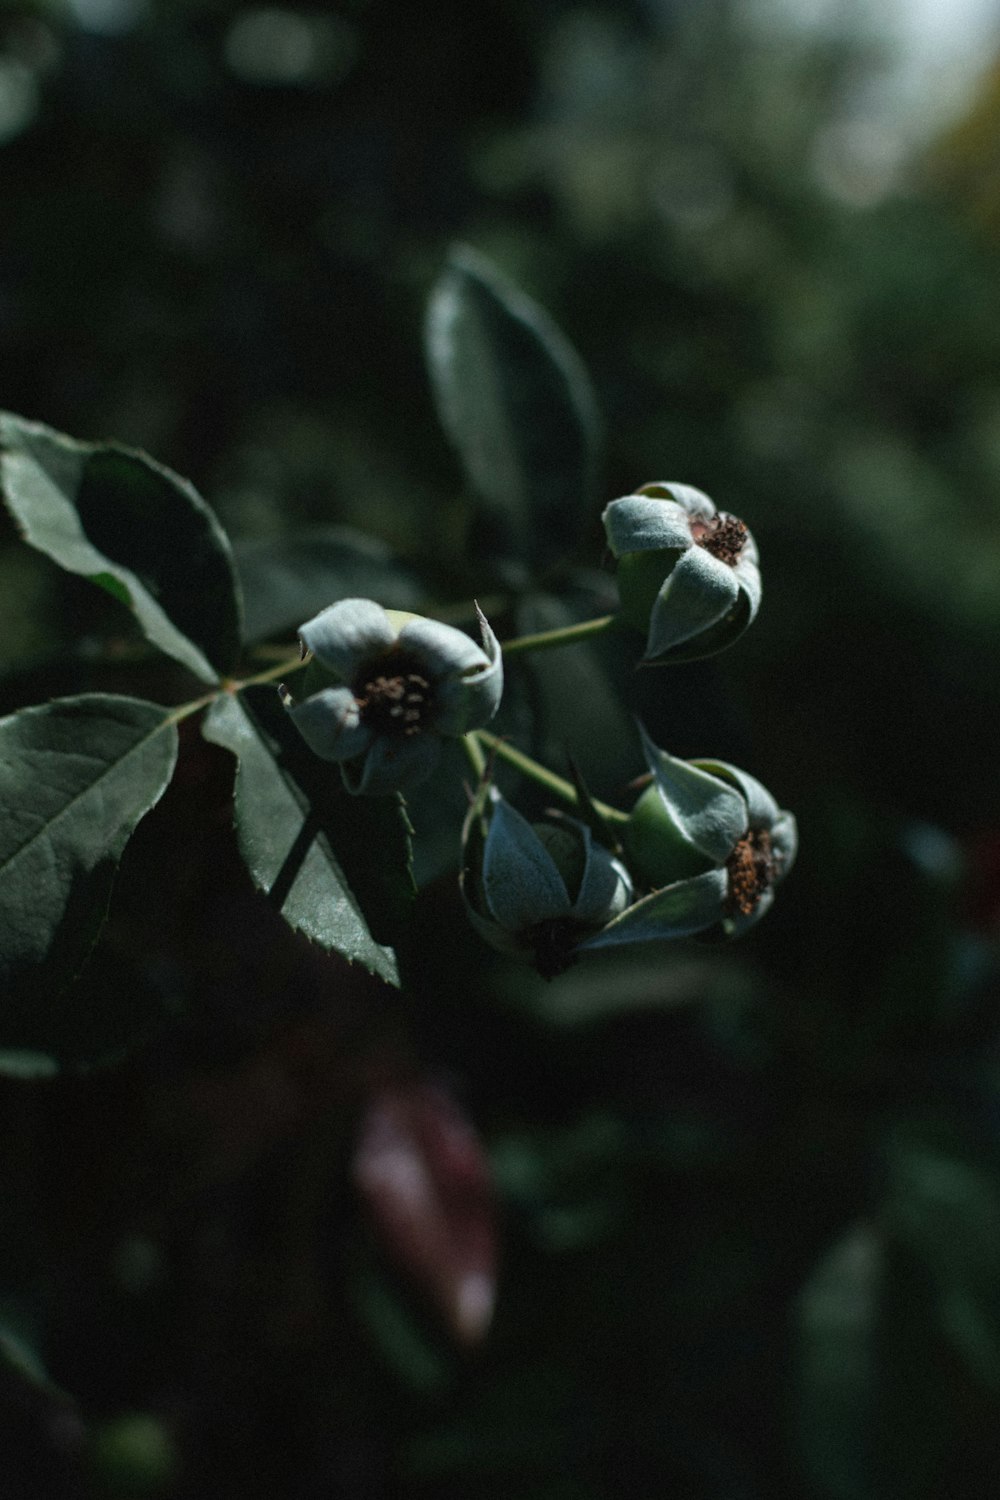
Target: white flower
<point x="403" y="683"/>
<point x="688" y="575"/>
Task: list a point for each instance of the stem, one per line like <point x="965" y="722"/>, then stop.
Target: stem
<point x="542" y="775"/>
<point x="185" y="710"/>
<point x="565" y="635"/>
<point x="477" y="760"/>
<point x="271" y="674"/>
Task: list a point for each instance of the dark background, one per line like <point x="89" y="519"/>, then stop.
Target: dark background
<point x="749" y="1198"/>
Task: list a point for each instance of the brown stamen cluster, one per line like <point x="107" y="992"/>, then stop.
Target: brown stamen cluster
<point x="723" y="536"/>
<point x="394" y="700"/>
<point x="751" y="872"/>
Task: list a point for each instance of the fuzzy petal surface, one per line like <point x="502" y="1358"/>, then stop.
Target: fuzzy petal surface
<point x="761" y="806"/>
<point x="347" y="634"/>
<point x="638" y="524"/>
<point x="606" y="889"/>
<point x="784" y="843"/>
<point x="747" y="572"/>
<point x="520" y="880"/>
<point x="708" y="812"/>
<point x="676" y="911"/>
<point x="695" y="502"/>
<point x="697" y="593"/>
<point x="471" y="700"/>
<point x="393" y="765"/>
<point x="445" y="651"/>
<point x="329" y="722"/>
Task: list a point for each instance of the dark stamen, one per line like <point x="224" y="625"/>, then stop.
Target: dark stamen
<point x="751" y="870"/>
<point x="394" y="695"/>
<point x="724" y="536"/>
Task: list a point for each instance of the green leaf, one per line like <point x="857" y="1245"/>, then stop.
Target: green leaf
<point x="836" y="1359"/>
<point x="288" y="579"/>
<point x="517" y="404"/>
<point x="132" y="527"/>
<point x="337" y="866"/>
<point x="76" y="775"/>
<point x="944" y="1206"/>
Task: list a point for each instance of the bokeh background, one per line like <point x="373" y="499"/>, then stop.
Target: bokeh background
<point x="748" y="1200"/>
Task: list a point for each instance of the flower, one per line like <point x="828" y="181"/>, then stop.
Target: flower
<point x="712" y="844"/>
<point x="537" y="890"/>
<point x="394" y="686"/>
<point x="688" y="575"/>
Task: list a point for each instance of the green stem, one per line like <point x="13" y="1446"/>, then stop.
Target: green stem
<point x="185" y="710"/>
<point x="473" y="750"/>
<point x="542" y="775"/>
<point x="271" y="674"/>
<point x="565" y="635"/>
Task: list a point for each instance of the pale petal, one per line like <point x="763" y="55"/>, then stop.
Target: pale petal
<point x="329" y="722"/>
<point x="347" y="634"/>
<point x="761" y="806"/>
<point x="393" y="765"/>
<point x="445" y="651"/>
<point x="784" y="843"/>
<point x="606" y="888"/>
<point x="747" y="572"/>
<point x="521" y="882"/>
<point x="697" y="593"/>
<point x="676" y="911"/>
<point x="639" y="524"/>
<point x="695" y="502"/>
<point x="708" y="812"/>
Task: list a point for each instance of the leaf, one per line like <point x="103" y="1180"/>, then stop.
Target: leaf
<point x="516" y="402"/>
<point x="945" y="1208"/>
<point x="289" y="579"/>
<point x="836" y="1353"/>
<point x="134" y="528"/>
<point x="337" y="866"/>
<point x="76" y="775"/>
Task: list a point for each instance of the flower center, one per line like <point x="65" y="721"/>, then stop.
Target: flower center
<point x="724" y="536"/>
<point x="751" y="872"/>
<point x="394" y="695"/>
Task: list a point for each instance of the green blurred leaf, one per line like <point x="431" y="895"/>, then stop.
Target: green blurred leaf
<point x="288" y="579"/>
<point x="134" y="528"/>
<point x="76" y="775"/>
<point x="835" y="1388"/>
<point x="517" y="404"/>
<point x="337" y="866"/>
<point x="944" y="1208"/>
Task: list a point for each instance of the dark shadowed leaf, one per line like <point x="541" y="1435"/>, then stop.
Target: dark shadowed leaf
<point x="130" y="525"/>
<point x="517" y="404"/>
<point x="336" y="866"/>
<point x="288" y="579"/>
<point x="76" y="775"/>
<point x="944" y="1208"/>
<point x="836" y="1356"/>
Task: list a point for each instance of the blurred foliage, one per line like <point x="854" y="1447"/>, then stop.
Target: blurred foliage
<point x="750" y="1200"/>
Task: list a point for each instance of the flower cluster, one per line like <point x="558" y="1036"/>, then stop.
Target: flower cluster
<point x="705" y="845"/>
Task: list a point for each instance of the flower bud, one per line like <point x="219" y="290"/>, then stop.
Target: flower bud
<point x="537" y="890"/>
<point x="688" y="575"/>
<point x="710" y="842"/>
<point x="395" y="685"/>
